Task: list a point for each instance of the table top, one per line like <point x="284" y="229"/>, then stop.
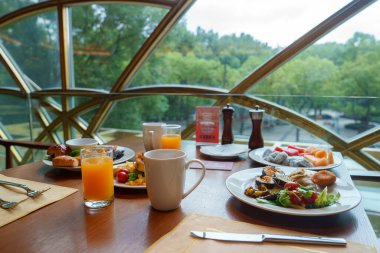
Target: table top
<point x="131" y="225"/>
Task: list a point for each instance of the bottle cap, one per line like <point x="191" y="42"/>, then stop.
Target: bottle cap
<point x="256" y="113"/>
<point x="228" y="108"/>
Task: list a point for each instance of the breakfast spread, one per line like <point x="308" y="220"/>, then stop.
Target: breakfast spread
<point x="131" y="173"/>
<point x="298" y="157"/>
<point x="298" y="189"/>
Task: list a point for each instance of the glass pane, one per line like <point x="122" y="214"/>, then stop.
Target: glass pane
<point x="337" y="77"/>
<point x="5" y="79"/>
<point x="33" y="44"/>
<point x="218" y="48"/>
<point x="7" y="6"/>
<point x="14" y="117"/>
<point x="2" y="158"/>
<point x="374" y="151"/>
<point x="345" y="116"/>
<point x="371" y="202"/>
<point x="106" y="37"/>
<point x="88" y="115"/>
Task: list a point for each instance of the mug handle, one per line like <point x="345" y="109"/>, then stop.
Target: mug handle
<point x="200" y="178"/>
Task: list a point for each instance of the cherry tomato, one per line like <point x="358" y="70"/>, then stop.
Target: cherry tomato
<point x="122" y="177"/>
<point x="295" y="197"/>
<point x="124" y="170"/>
<point x="291" y="186"/>
<point x="311" y="199"/>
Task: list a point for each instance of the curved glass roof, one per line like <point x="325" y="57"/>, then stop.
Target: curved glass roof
<point x="88" y="67"/>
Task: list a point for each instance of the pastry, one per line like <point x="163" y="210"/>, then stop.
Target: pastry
<point x="65" y="161"/>
<point x="323" y="178"/>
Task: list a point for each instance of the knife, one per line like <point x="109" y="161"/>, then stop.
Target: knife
<point x="269" y="238"/>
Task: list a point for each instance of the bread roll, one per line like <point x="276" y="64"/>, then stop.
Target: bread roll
<point x="65" y="161"/>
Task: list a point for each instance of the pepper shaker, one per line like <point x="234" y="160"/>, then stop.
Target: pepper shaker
<point x="227" y="137"/>
<point x="256" y="139"/>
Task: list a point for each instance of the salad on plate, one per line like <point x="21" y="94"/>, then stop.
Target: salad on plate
<point x="299" y="189"/>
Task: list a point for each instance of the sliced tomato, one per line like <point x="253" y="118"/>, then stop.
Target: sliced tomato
<point x="295" y="197"/>
<point x="311" y="199"/>
<point x="291" y="186"/>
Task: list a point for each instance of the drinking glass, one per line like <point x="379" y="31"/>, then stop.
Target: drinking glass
<point x="97" y="176"/>
<point x="171" y="137"/>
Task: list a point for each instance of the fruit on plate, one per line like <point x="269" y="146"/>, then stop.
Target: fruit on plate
<point x="320" y="157"/>
<point x="295" y="156"/>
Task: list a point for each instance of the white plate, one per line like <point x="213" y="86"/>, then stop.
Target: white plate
<point x="120" y="185"/>
<point x="128" y="154"/>
<point x="239" y="181"/>
<point x="227" y="151"/>
<point x="257" y="155"/>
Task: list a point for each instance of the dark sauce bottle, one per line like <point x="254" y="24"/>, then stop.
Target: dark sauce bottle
<point x="256" y="139"/>
<point x="227" y="137"/>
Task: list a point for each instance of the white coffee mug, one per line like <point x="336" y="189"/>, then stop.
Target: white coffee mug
<point x="165" y="172"/>
<point x="152" y="132"/>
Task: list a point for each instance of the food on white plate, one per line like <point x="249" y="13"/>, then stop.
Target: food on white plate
<point x="64" y="150"/>
<point x="295" y="156"/>
<point x="296" y="190"/>
<point x="65" y="161"/>
<point x="323" y="178"/>
<point x="131" y="173"/>
<point x="58" y="150"/>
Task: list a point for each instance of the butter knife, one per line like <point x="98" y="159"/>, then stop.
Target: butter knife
<point x="269" y="238"/>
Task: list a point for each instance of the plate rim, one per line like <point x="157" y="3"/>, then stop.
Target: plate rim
<point x="218" y="156"/>
<point x="78" y="168"/>
<point x="289" y="211"/>
<point x="253" y="153"/>
<point x="124" y="186"/>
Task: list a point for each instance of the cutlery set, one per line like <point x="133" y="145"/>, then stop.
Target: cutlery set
<point x="29" y="192"/>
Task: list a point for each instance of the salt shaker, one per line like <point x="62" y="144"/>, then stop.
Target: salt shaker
<point x="256" y="139"/>
<point x="227" y="137"/>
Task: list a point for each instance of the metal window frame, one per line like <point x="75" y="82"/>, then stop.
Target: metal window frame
<point x="69" y="116"/>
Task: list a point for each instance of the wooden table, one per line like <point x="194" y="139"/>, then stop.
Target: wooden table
<point x="131" y="225"/>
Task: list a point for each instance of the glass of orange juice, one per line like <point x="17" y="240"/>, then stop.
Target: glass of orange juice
<point x="97" y="176"/>
<point x="171" y="136"/>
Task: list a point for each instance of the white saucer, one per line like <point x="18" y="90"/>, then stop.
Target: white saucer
<point x="227" y="151"/>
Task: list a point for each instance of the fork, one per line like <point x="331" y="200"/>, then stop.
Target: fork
<point x="29" y="192"/>
<point x="7" y="204"/>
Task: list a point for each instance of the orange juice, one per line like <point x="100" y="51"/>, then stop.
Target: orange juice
<point x="97" y="178"/>
<point x="171" y="141"/>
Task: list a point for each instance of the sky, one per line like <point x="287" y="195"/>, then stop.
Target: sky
<point x="279" y="22"/>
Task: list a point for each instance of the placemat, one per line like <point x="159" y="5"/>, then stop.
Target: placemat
<point x="27" y="204"/>
<point x="179" y="240"/>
